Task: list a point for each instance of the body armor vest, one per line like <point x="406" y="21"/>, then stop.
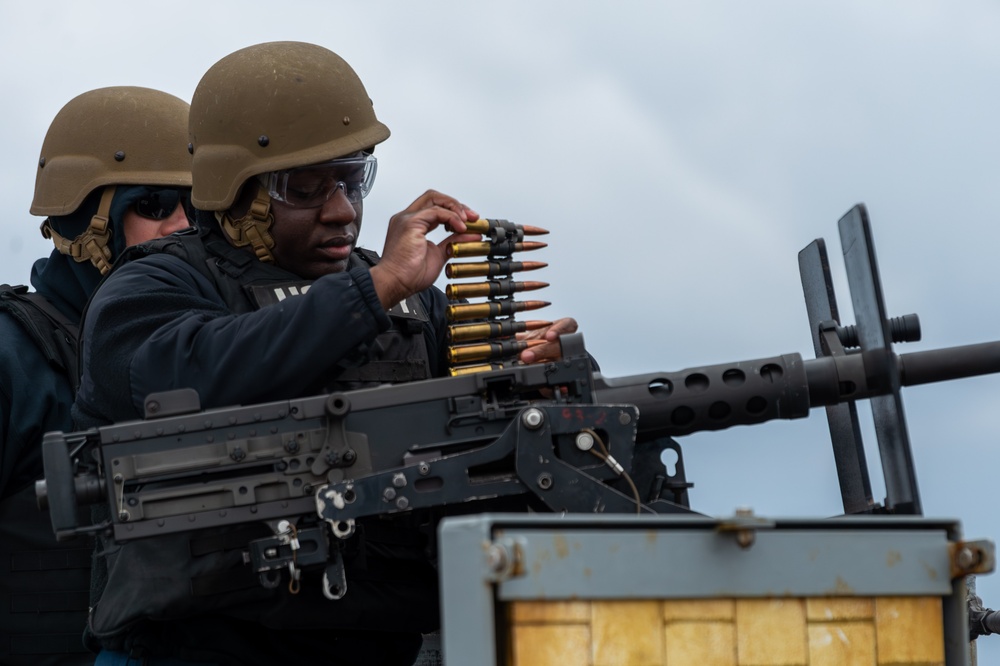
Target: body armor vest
<point x="53" y="333"/>
<point x="199" y="579"/>
<point x="43" y="583"/>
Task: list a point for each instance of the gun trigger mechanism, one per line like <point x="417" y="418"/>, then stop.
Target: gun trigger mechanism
<point x="292" y="548"/>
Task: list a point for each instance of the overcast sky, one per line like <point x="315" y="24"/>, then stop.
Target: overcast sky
<point x="680" y="153"/>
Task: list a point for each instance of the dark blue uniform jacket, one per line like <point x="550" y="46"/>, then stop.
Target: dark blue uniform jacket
<point x="43" y="585"/>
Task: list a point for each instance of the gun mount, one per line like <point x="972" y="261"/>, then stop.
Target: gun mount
<point x="569" y="438"/>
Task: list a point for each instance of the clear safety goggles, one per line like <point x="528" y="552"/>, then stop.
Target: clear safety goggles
<point x="312" y="186"/>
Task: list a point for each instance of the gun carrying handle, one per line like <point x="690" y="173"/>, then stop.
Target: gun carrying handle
<point x="57" y="491"/>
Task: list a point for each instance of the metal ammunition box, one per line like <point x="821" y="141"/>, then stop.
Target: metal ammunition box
<point x="541" y="590"/>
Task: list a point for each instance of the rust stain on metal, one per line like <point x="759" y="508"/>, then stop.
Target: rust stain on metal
<point x="539" y="561"/>
<point x="841" y="588"/>
<point x="561" y="546"/>
<point x="931" y="571"/>
<point x="517" y="568"/>
<point x="892" y="558"/>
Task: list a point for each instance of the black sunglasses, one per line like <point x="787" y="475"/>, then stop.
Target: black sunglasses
<point x="161" y="204"/>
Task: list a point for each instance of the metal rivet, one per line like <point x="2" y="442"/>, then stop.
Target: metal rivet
<point x="533" y="418"/>
<point x="497" y="558"/>
<point x="119" y="156"/>
<point x="347" y="120"/>
<point x="41" y="162"/>
<point x="965" y="558"/>
<point x="191" y="148"/>
<point x="262" y="141"/>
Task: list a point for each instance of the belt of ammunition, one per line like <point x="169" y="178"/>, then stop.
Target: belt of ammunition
<point x="493" y="338"/>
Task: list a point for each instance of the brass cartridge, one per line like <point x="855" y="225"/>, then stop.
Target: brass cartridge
<point x="487" y="226"/>
<point x="491" y="268"/>
<point x="488" y="351"/>
<point x="491" y="288"/>
<point x="466" y="311"/>
<point x="492" y="329"/>
<point x="490" y="249"/>
<point x="484" y="367"/>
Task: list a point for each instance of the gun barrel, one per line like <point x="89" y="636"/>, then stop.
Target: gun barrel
<point x="938" y="365"/>
<point x="782" y="387"/>
<point x="712" y="397"/>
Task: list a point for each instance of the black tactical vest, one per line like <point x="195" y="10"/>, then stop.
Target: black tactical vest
<point x="43" y="583"/>
<point x="199" y="579"/>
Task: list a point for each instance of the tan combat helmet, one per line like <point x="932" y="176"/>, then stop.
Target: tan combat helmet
<point x="268" y="107"/>
<point x="110" y="136"/>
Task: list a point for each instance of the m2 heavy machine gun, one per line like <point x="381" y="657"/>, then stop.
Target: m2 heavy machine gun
<point x="560" y="434"/>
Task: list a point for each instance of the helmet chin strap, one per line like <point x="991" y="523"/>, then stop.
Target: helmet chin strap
<point x="252" y="229"/>
<point x="92" y="244"/>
